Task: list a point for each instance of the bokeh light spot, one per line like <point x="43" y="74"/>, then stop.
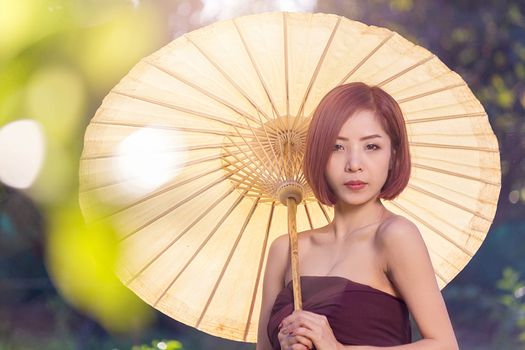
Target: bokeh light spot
<point x="514" y="196"/>
<point x="22" y="150"/>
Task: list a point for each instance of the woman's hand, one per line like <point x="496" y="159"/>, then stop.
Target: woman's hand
<point x="311" y="326"/>
<point x="288" y="341"/>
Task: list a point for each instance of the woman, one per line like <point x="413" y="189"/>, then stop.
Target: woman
<point x="362" y="273"/>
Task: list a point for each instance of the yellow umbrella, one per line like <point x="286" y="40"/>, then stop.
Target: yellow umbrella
<point x="196" y="151"/>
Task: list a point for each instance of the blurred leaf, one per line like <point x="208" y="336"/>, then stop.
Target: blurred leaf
<point x="81" y="259"/>
<point x="515" y="15"/>
<point x="160" y="345"/>
<point x="56" y="97"/>
<point x="107" y="51"/>
<point x="401" y="5"/>
<point x="509" y="280"/>
<point x="24" y="22"/>
<point x="461" y="35"/>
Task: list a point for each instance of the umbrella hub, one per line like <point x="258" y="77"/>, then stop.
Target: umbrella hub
<point x="290" y="189"/>
<point x="270" y="166"/>
<point x="288" y="142"/>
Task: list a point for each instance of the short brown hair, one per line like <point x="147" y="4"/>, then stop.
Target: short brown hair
<point x="332" y="112"/>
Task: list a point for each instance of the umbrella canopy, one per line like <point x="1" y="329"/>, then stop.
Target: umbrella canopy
<point x="191" y="152"/>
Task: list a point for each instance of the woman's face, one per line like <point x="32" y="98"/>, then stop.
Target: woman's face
<point x="361" y="152"/>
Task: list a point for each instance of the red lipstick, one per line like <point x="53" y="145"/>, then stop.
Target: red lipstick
<point x="355" y="184"/>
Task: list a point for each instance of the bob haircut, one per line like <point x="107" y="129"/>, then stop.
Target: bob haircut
<point x="332" y="112"/>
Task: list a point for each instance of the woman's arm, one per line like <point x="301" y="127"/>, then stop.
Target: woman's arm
<point x="272" y="285"/>
<point x="408" y="265"/>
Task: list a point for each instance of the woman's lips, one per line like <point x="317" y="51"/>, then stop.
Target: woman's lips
<point x="355" y="186"/>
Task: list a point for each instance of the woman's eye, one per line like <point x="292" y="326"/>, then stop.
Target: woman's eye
<point x="337" y="147"/>
<point x="372" y="146"/>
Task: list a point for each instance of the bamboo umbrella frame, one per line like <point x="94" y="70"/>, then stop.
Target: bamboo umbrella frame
<point x="232" y="103"/>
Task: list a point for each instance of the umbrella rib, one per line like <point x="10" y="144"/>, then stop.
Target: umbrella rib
<point x="280" y="170"/>
<point x="286" y="72"/>
<point x="178" y="108"/>
<point x="241" y="170"/>
<point x="250" y="185"/>
<point x="224" y="217"/>
<point x="158" y="193"/>
<point x="362" y="62"/>
<point x="443" y="199"/>
<point x="243" y="163"/>
<point x="139" y="125"/>
<point x="456" y="174"/>
<point x="204" y="92"/>
<point x="173" y="150"/>
<point x="172" y="208"/>
<point x="456" y="227"/>
<point x="406" y="70"/>
<point x="301" y="179"/>
<point x="227" y="262"/>
<point x="496" y="168"/>
<point x="262" y="169"/>
<point x="459" y="147"/>
<point x="324" y="212"/>
<point x="308" y="216"/>
<point x="261" y="162"/>
<point x="318" y="67"/>
<point x="254" y="65"/>
<point x="271" y="147"/>
<point x="186" y="164"/>
<point x="180" y="235"/>
<point x="417" y="218"/>
<point x="228" y="78"/>
<point x="441" y="277"/>
<point x="262" y="258"/>
<point x="255" y="180"/>
<point x="446" y="117"/>
<point x="297" y="161"/>
<point x="431" y="92"/>
<point x="275" y="167"/>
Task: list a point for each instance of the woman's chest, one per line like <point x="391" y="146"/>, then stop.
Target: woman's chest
<point x="358" y="260"/>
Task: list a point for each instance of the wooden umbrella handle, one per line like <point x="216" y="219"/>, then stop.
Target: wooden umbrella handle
<point x="294" y="252"/>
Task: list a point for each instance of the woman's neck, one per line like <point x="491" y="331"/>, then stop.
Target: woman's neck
<point x="348" y="219"/>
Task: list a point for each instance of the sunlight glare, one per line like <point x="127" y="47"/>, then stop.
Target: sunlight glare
<point x="147" y="157"/>
<point x="225" y="9"/>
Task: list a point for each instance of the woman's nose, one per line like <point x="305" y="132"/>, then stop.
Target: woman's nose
<point x="353" y="163"/>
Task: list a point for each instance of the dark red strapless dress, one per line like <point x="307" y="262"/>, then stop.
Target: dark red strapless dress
<point x="358" y="314"/>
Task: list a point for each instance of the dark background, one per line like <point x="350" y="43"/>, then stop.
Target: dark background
<point x="92" y="44"/>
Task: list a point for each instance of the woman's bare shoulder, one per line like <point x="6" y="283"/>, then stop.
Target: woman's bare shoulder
<point x="397" y="227"/>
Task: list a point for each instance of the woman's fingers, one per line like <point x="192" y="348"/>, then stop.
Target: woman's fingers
<point x="304" y="340"/>
<point x="300" y="318"/>
<point x="298" y="347"/>
<point x="293" y="341"/>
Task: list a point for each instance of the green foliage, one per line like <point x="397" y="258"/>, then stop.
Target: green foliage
<point x="514" y="299"/>
<point x="160" y="345"/>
